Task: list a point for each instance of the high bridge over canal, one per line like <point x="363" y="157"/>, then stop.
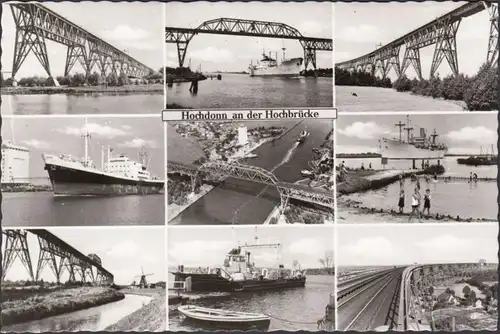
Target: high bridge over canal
<point x="37" y="24"/>
<point x="55" y="253"/>
<point x="441" y="32"/>
<point x="394" y="298"/>
<point x="223" y="170"/>
<point x="252" y="28"/>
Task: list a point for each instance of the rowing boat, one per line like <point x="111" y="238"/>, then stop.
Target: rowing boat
<point x="223" y="317"/>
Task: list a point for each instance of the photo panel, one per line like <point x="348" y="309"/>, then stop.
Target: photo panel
<point x="238" y="55"/>
<point x="82" y="58"/>
<point x="79" y="171"/>
<point x="251" y="278"/>
<point x="442" y="57"/>
<point x="56" y="280"/>
<point x="420" y="167"/>
<point x="250" y="172"/>
<point x="428" y="277"/>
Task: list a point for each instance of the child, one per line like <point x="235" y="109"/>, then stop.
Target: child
<point x="415" y="205"/>
<point x="427" y="202"/>
<point x="401" y="202"/>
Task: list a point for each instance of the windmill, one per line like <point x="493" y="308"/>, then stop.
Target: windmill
<point x="143" y="282"/>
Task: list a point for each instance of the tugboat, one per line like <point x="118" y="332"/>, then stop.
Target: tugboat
<point x="306" y="173"/>
<point x="303" y="136"/>
<point x="487" y="159"/>
<point x="239" y="274"/>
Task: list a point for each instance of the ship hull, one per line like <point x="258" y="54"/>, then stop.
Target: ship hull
<point x="396" y="150"/>
<point x="290" y="68"/>
<point x="215" y="283"/>
<point x="71" y="181"/>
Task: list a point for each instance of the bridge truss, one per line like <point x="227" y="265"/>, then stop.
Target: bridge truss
<point x="239" y="27"/>
<point x="441" y="32"/>
<point x="35" y="24"/>
<point x="55" y="253"/>
<point x="222" y="170"/>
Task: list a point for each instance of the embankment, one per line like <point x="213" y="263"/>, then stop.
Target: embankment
<point x="59" y="302"/>
<point x="149" y="318"/>
<point x="126" y="89"/>
<point x="26" y="188"/>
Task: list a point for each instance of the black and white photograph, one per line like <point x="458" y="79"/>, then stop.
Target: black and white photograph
<point x="78" y="171"/>
<point x="251" y="278"/>
<point x="239" y="55"/>
<point x="84" y="279"/>
<point x="417" y="277"/>
<point x="442" y="57"/>
<point x="417" y="168"/>
<point x="250" y="172"/>
<point x="82" y="58"/>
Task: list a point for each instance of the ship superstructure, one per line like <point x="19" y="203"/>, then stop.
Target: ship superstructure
<point x="423" y="146"/>
<point x="15" y="164"/>
<point x="269" y="66"/>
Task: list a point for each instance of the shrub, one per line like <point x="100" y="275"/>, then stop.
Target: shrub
<point x="482" y="94"/>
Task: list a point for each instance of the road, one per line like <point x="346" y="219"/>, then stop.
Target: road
<point x="374" y="305"/>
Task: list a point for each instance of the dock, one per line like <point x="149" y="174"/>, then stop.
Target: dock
<point x="365" y="180"/>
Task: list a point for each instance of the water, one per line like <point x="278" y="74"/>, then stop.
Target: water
<point x="283" y="155"/>
<point x="384" y="99"/>
<point x="43" y="209"/>
<point x="92" y="319"/>
<point x="243" y="91"/>
<point x="304" y="306"/>
<point x="461" y="198"/>
<point x="91" y="103"/>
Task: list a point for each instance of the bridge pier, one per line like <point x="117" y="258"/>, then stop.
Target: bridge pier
<point x="74" y="53"/>
<point x="492" y="56"/>
<point x="446" y="46"/>
<point x="412" y="57"/>
<point x="16" y="246"/>
<point x="46" y="256"/>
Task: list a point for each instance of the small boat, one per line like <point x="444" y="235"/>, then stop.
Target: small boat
<point x="251" y="155"/>
<point x="306" y="173"/>
<point x="303" y="136"/>
<point x="221" y="317"/>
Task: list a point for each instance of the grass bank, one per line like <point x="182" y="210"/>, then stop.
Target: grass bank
<point x="152" y="317"/>
<point x="59" y="302"/>
<point x="126" y="89"/>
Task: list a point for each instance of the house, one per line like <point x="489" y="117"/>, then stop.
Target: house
<point x="478" y="304"/>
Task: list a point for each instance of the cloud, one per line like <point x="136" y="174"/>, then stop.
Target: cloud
<point x="478" y="134"/>
<point x="138" y="143"/>
<point x="214" y="55"/>
<point x="363" y="33"/>
<point x="369" y="130"/>
<point x="126" y="127"/>
<point x="124" y="249"/>
<point x="125" y="34"/>
<point x="37" y="143"/>
<point x="308" y="246"/>
<point x="312" y="28"/>
<point x="198" y="252"/>
<point x="374" y="251"/>
<point x="449" y="248"/>
<point x="95" y="129"/>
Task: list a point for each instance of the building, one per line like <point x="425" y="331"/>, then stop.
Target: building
<point x="15" y="164"/>
<point x="242" y="135"/>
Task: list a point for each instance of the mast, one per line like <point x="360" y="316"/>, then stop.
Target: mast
<point x="400" y="125"/>
<point x="284" y="49"/>
<point x="102" y="158"/>
<point x="434" y="135"/>
<point x="86" y="137"/>
<point x="409" y="128"/>
<point x="109" y="153"/>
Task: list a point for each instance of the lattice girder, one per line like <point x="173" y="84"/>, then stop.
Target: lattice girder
<point x="16" y="246"/>
<point x="492" y="56"/>
<point x="446" y="46"/>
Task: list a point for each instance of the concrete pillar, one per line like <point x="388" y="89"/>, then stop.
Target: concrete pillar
<point x="188" y="284"/>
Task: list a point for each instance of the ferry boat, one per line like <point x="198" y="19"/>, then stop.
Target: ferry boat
<point x="251" y="155"/>
<point x="120" y="175"/>
<point x="488" y="159"/>
<point x="303" y="136"/>
<point x="306" y="173"/>
<point x="269" y="67"/>
<point x="414" y="147"/>
<point x="239" y="274"/>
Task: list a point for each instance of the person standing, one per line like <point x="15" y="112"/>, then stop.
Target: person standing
<point x="401" y="202"/>
<point x="427" y="202"/>
<point x="415" y="205"/>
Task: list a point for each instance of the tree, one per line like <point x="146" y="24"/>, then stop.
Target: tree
<point x="327" y="261"/>
<point x="112" y="79"/>
<point x="93" y="79"/>
<point x="466" y="290"/>
<point x="123" y="79"/>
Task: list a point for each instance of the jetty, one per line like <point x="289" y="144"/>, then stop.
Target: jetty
<point x="363" y="180"/>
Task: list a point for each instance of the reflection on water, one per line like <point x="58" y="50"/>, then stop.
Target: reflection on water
<point x="291" y="309"/>
<point x="92" y="319"/>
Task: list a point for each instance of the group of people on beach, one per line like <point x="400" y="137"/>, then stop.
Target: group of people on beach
<point x="416" y="198"/>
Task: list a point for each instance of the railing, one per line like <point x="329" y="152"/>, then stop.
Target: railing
<point x="348" y="287"/>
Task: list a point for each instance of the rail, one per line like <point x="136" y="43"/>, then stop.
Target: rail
<point x="347" y="288"/>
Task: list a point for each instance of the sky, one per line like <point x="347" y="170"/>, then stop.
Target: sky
<point x="134" y="27"/>
<point x="234" y="53"/>
<point x="464" y="133"/>
<point x="359" y="27"/>
<point x="63" y="136"/>
<point x="208" y="246"/>
<point x="123" y="251"/>
<point x="380" y="245"/>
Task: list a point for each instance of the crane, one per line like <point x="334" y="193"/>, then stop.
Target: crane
<point x="143" y="282"/>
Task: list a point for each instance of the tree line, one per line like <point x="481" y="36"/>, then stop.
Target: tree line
<point x="479" y="92"/>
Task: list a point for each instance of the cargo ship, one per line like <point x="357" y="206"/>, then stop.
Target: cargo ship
<point x="120" y="175"/>
<point x="414" y="147"/>
<point x="303" y="136"/>
<point x="239" y="274"/>
<point x="269" y="67"/>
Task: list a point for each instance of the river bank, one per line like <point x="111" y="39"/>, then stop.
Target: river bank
<point x="151" y="317"/>
<point x="39" y="306"/>
<point x="363" y="180"/>
<point x="29" y="188"/>
<point x="125" y="89"/>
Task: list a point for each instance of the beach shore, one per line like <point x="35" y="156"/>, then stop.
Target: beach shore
<point x="126" y="89"/>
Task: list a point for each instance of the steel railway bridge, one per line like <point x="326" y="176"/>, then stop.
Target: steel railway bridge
<point x="221" y="170"/>
<point x="35" y="24"/>
<point x="239" y="27"/>
<point x="51" y="248"/>
<point x="441" y="32"/>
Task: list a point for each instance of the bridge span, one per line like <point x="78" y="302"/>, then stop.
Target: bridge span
<point x="441" y="32"/>
<point x="54" y="252"/>
<point x="35" y="24"/>
<point x="219" y="171"/>
<point x="393" y="299"/>
<point x="252" y="28"/>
